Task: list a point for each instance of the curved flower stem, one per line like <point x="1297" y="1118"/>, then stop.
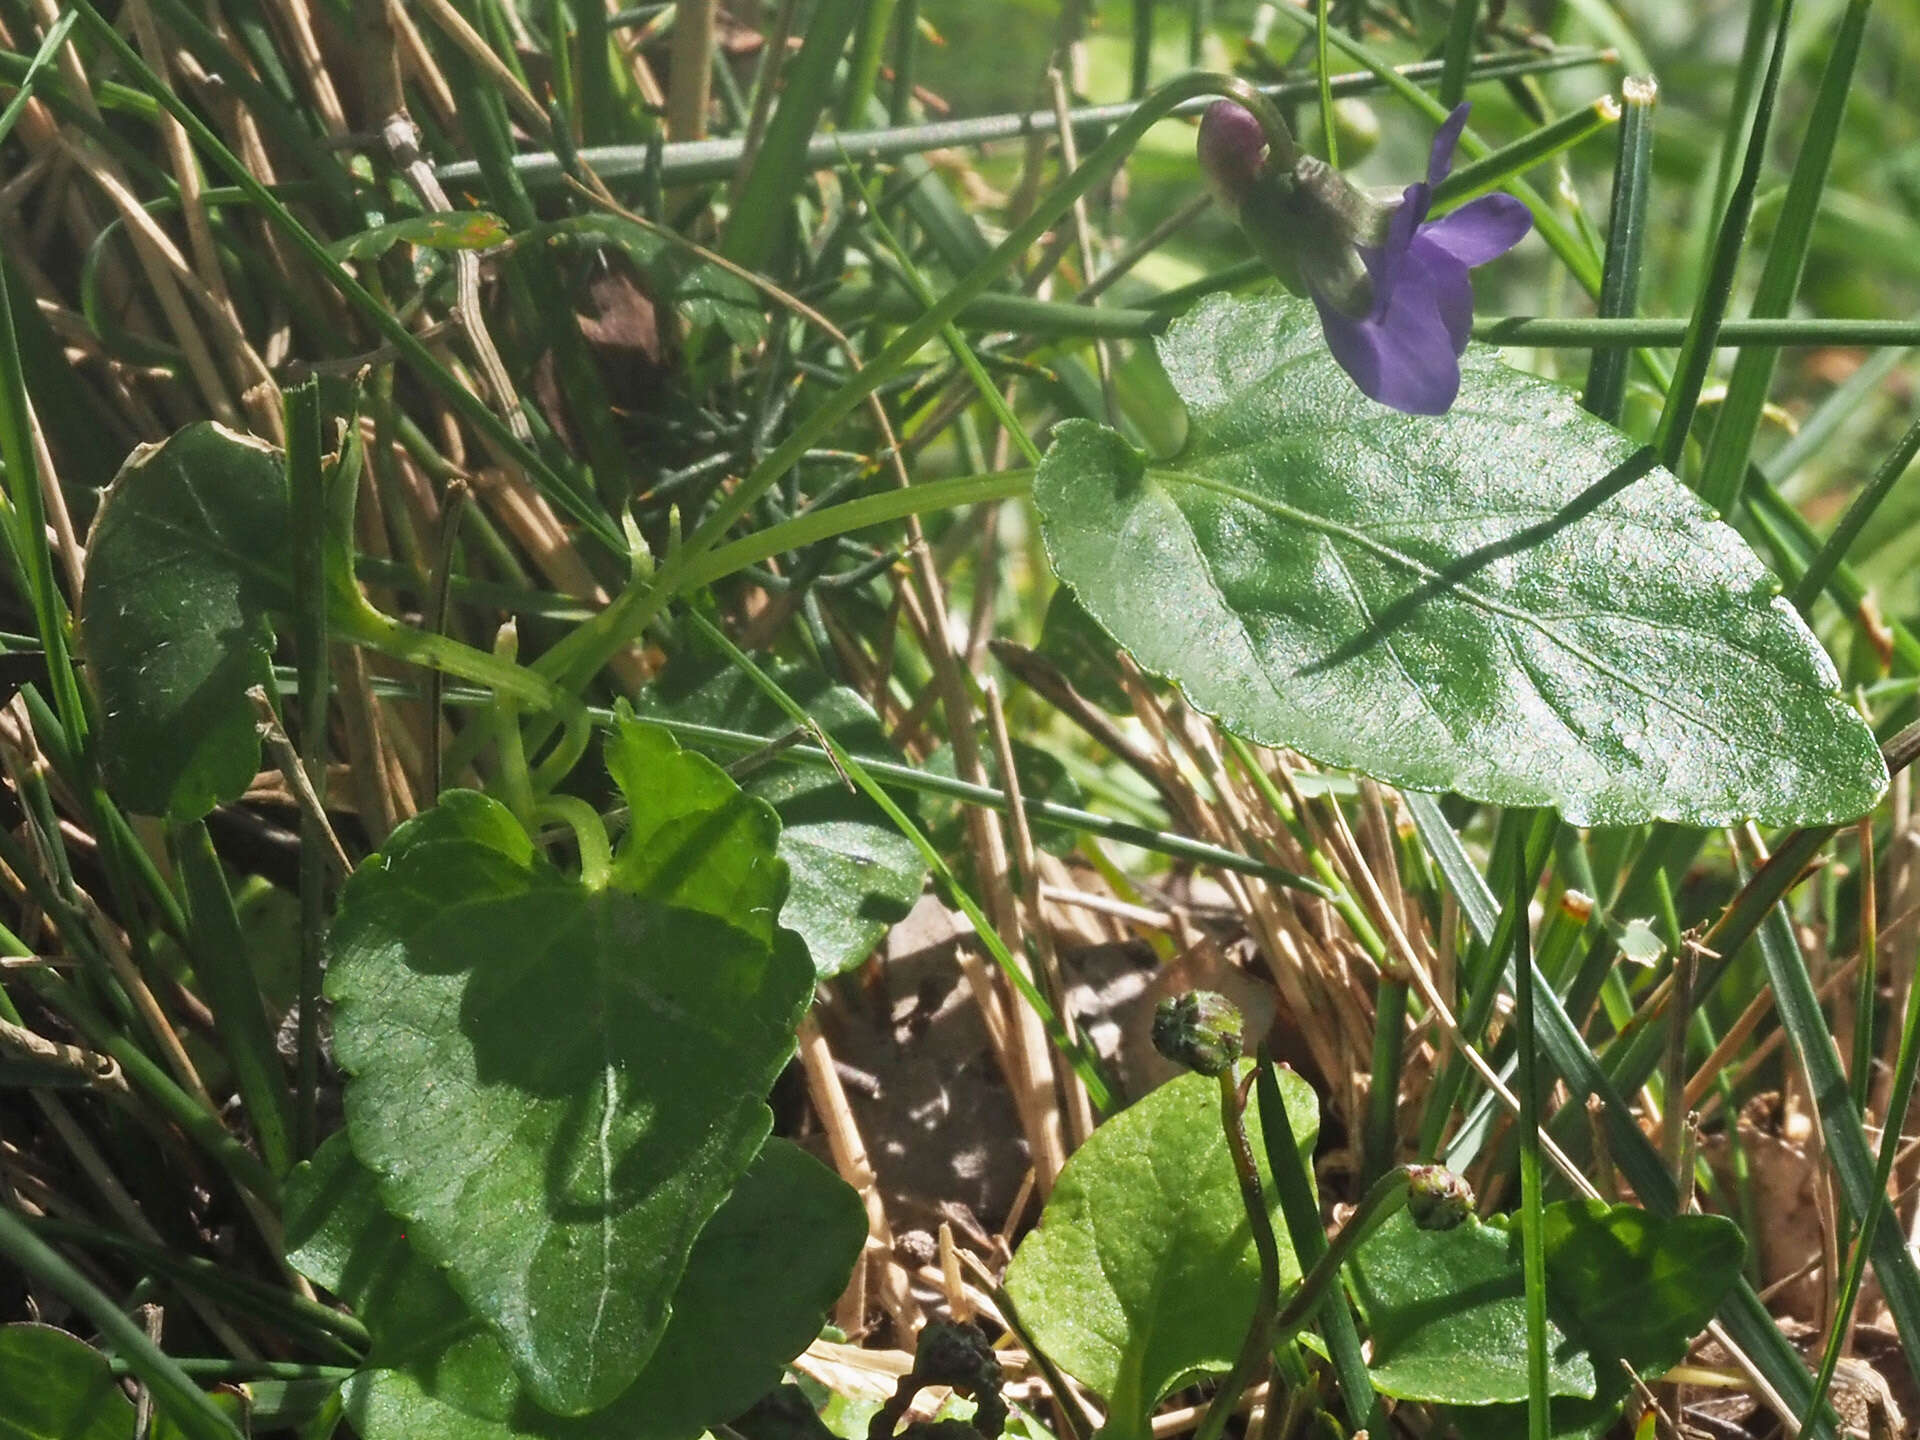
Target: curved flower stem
<point x="596" y="855"/>
<point x="1259" y="1342"/>
<point x="1271" y="1325"/>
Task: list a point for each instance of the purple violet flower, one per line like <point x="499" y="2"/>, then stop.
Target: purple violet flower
<point x="1391" y="286"/>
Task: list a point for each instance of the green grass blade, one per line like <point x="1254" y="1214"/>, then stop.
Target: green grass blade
<point x="1606" y="391"/>
<point x="1459" y="47"/>
<point x="1533" y="1210"/>
<point x="184" y="1402"/>
<point x="1724" y="469"/>
<point x="1820" y="569"/>
<point x="761" y="210"/>
<point x="1696" y="354"/>
<point x="1294" y="1186"/>
<point x="226" y="975"/>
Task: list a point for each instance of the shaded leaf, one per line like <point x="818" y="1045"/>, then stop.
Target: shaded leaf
<point x="1510" y="601"/>
<point x="186" y="557"/>
<point x="1447" y="1309"/>
<point x="1083" y="652"/>
<point x="702" y="294"/>
<point x="1639" y="1287"/>
<point x="853" y="873"/>
<point x="757" y="1284"/>
<point x="1143" y="1272"/>
<point x="55" y="1386"/>
<point x="1447" y="1312"/>
<point x="556" y="1086"/>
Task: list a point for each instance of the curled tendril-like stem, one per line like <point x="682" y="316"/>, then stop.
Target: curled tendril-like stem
<point x="1282" y="152"/>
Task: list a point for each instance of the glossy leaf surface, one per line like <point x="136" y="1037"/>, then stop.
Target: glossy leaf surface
<point x="1143" y="1271"/>
<point x="1509" y="601"/>
<point x="185" y="559"/>
<point x="853" y="873"/>
<point x="556" y="1086"/>
<point x="759" y="1279"/>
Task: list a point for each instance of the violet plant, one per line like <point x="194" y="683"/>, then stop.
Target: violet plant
<point x="546" y="1128"/>
<point x="1390" y="285"/>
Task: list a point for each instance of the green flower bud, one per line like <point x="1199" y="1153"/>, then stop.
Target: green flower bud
<point x="1200" y="1030"/>
<point x="1437" y="1199"/>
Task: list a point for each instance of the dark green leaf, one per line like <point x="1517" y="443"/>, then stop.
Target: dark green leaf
<point x="1638" y="1287"/>
<point x="1447" y="1315"/>
<point x="1083" y="652"/>
<point x="54" y="1386"/>
<point x="556" y="1086"/>
<point x="1509" y="601"/>
<point x="853" y="873"/>
<point x="1143" y="1272"/>
<point x="760" y="1277"/>
<point x="186" y="557"/>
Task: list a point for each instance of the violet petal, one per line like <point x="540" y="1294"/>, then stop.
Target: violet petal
<point x="1445" y="279"/>
<point x="1480" y="230"/>
<point x="1384" y="263"/>
<point x="1404" y="358"/>
<point x="1440" y="159"/>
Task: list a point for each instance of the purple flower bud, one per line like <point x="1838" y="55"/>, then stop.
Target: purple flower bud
<point x="1391" y="287"/>
<point x="1232" y="149"/>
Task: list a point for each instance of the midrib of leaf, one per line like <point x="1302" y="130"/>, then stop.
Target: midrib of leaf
<point x="1335" y="530"/>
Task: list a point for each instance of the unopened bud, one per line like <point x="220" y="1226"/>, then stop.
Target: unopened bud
<point x="1200" y="1030"/>
<point x="1437" y="1199"/>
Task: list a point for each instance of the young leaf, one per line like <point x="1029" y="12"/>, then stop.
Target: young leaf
<point x="853" y="873"/>
<point x="759" y="1279"/>
<point x="1143" y="1272"/>
<point x="1510" y="600"/>
<point x="186" y="557"/>
<point x="555" y="1085"/>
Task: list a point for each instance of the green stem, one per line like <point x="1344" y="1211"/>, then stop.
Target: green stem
<point x="812" y="526"/>
<point x="1533" y="1239"/>
<point x="701" y="161"/>
<point x="596" y="855"/>
<point x="186" y="1404"/>
<point x="1327" y="136"/>
<point x="1384" y="1198"/>
<point x="1258" y="1344"/>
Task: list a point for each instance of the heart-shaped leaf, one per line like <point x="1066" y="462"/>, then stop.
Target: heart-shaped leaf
<point x="1510" y="600"/>
<point x="853" y="873"/>
<point x="1447" y="1308"/>
<point x="556" y="1085"/>
<point x="1143" y="1272"/>
<point x="185" y="559"/>
<point x="759" y="1279"/>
